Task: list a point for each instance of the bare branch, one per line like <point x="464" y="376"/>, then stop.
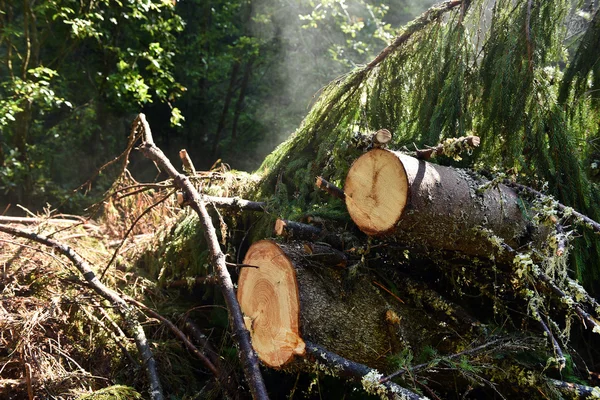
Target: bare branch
<point x="369" y="377"/>
<point x="330" y="188"/>
<point x="196" y="201"/>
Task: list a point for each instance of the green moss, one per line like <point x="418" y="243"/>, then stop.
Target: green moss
<point x="115" y="392"/>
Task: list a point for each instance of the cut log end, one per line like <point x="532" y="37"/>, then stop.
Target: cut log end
<point x="280" y="225"/>
<point x="382" y="137"/>
<point x="377" y="191"/>
<point x="269" y="299"/>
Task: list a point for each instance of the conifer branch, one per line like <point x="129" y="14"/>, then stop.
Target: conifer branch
<point x="595" y="226"/>
<point x="451" y="147"/>
<point x="352" y="83"/>
<point x="370" y="378"/>
<point x="425" y="19"/>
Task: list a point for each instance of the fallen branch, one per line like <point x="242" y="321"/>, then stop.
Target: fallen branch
<point x="189" y="283"/>
<point x="428" y="364"/>
<point x="575" y="390"/>
<point x="595" y="226"/>
<point x="562" y="296"/>
<point x="336" y="365"/>
<point x="330" y="188"/>
<point x="117" y="339"/>
<point x="218" y="374"/>
<point x="450" y="147"/>
<point x="51" y="221"/>
<point x="128" y="313"/>
<point x="296" y="230"/>
<point x="560" y="358"/>
<point x="240" y="334"/>
<point x="116" y="252"/>
<point x="235" y="203"/>
<point x="188" y="165"/>
<point x="381" y="138"/>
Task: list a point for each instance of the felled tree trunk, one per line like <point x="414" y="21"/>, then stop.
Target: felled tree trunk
<point x="432" y="206"/>
<point x="291" y="299"/>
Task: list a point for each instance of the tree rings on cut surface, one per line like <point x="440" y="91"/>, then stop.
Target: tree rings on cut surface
<point x="269" y="299"/>
<point x="377" y="191"/>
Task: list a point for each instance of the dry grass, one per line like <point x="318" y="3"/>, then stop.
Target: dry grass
<point x="51" y="344"/>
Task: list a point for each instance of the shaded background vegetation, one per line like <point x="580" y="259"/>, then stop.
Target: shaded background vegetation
<point x="225" y="79"/>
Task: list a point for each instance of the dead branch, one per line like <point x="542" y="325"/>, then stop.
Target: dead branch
<point x="196" y="201"/>
<point x="561" y="295"/>
<point x="199" y="280"/>
<point x="450" y="147"/>
<point x="330" y="188"/>
<point x="117" y="339"/>
<point x="368" y="377"/>
<point x="188" y="165"/>
<point x="575" y="390"/>
<point x="381" y="138"/>
<point x="453" y="356"/>
<point x="116" y="252"/>
<point x="52" y="221"/>
<point x="235" y="203"/>
<point x="129" y="315"/>
<point x="296" y="230"/>
<point x="190" y="346"/>
<point x="595" y="226"/>
<point x="560" y="358"/>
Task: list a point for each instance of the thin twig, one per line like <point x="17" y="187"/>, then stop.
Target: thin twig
<point x="560" y="358"/>
<point x="190" y="346"/>
<point x="146" y="211"/>
<point x="450" y="357"/>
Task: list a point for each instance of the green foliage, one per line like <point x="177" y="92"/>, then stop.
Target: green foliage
<point x="71" y="72"/>
<point x="115" y="392"/>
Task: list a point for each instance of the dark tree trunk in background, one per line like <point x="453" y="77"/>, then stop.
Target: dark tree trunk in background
<point x="240" y="100"/>
<point x="228" y="96"/>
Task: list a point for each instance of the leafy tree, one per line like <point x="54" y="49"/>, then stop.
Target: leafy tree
<point x="70" y="70"/>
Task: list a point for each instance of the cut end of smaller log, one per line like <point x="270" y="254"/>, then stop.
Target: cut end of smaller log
<point x="280" y="227"/>
<point x="377" y="191"/>
<point x="268" y="296"/>
<point x="382" y="137"/>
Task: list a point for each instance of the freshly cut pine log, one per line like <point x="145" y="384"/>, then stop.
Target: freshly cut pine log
<point x="432" y="206"/>
<point x="291" y="298"/>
